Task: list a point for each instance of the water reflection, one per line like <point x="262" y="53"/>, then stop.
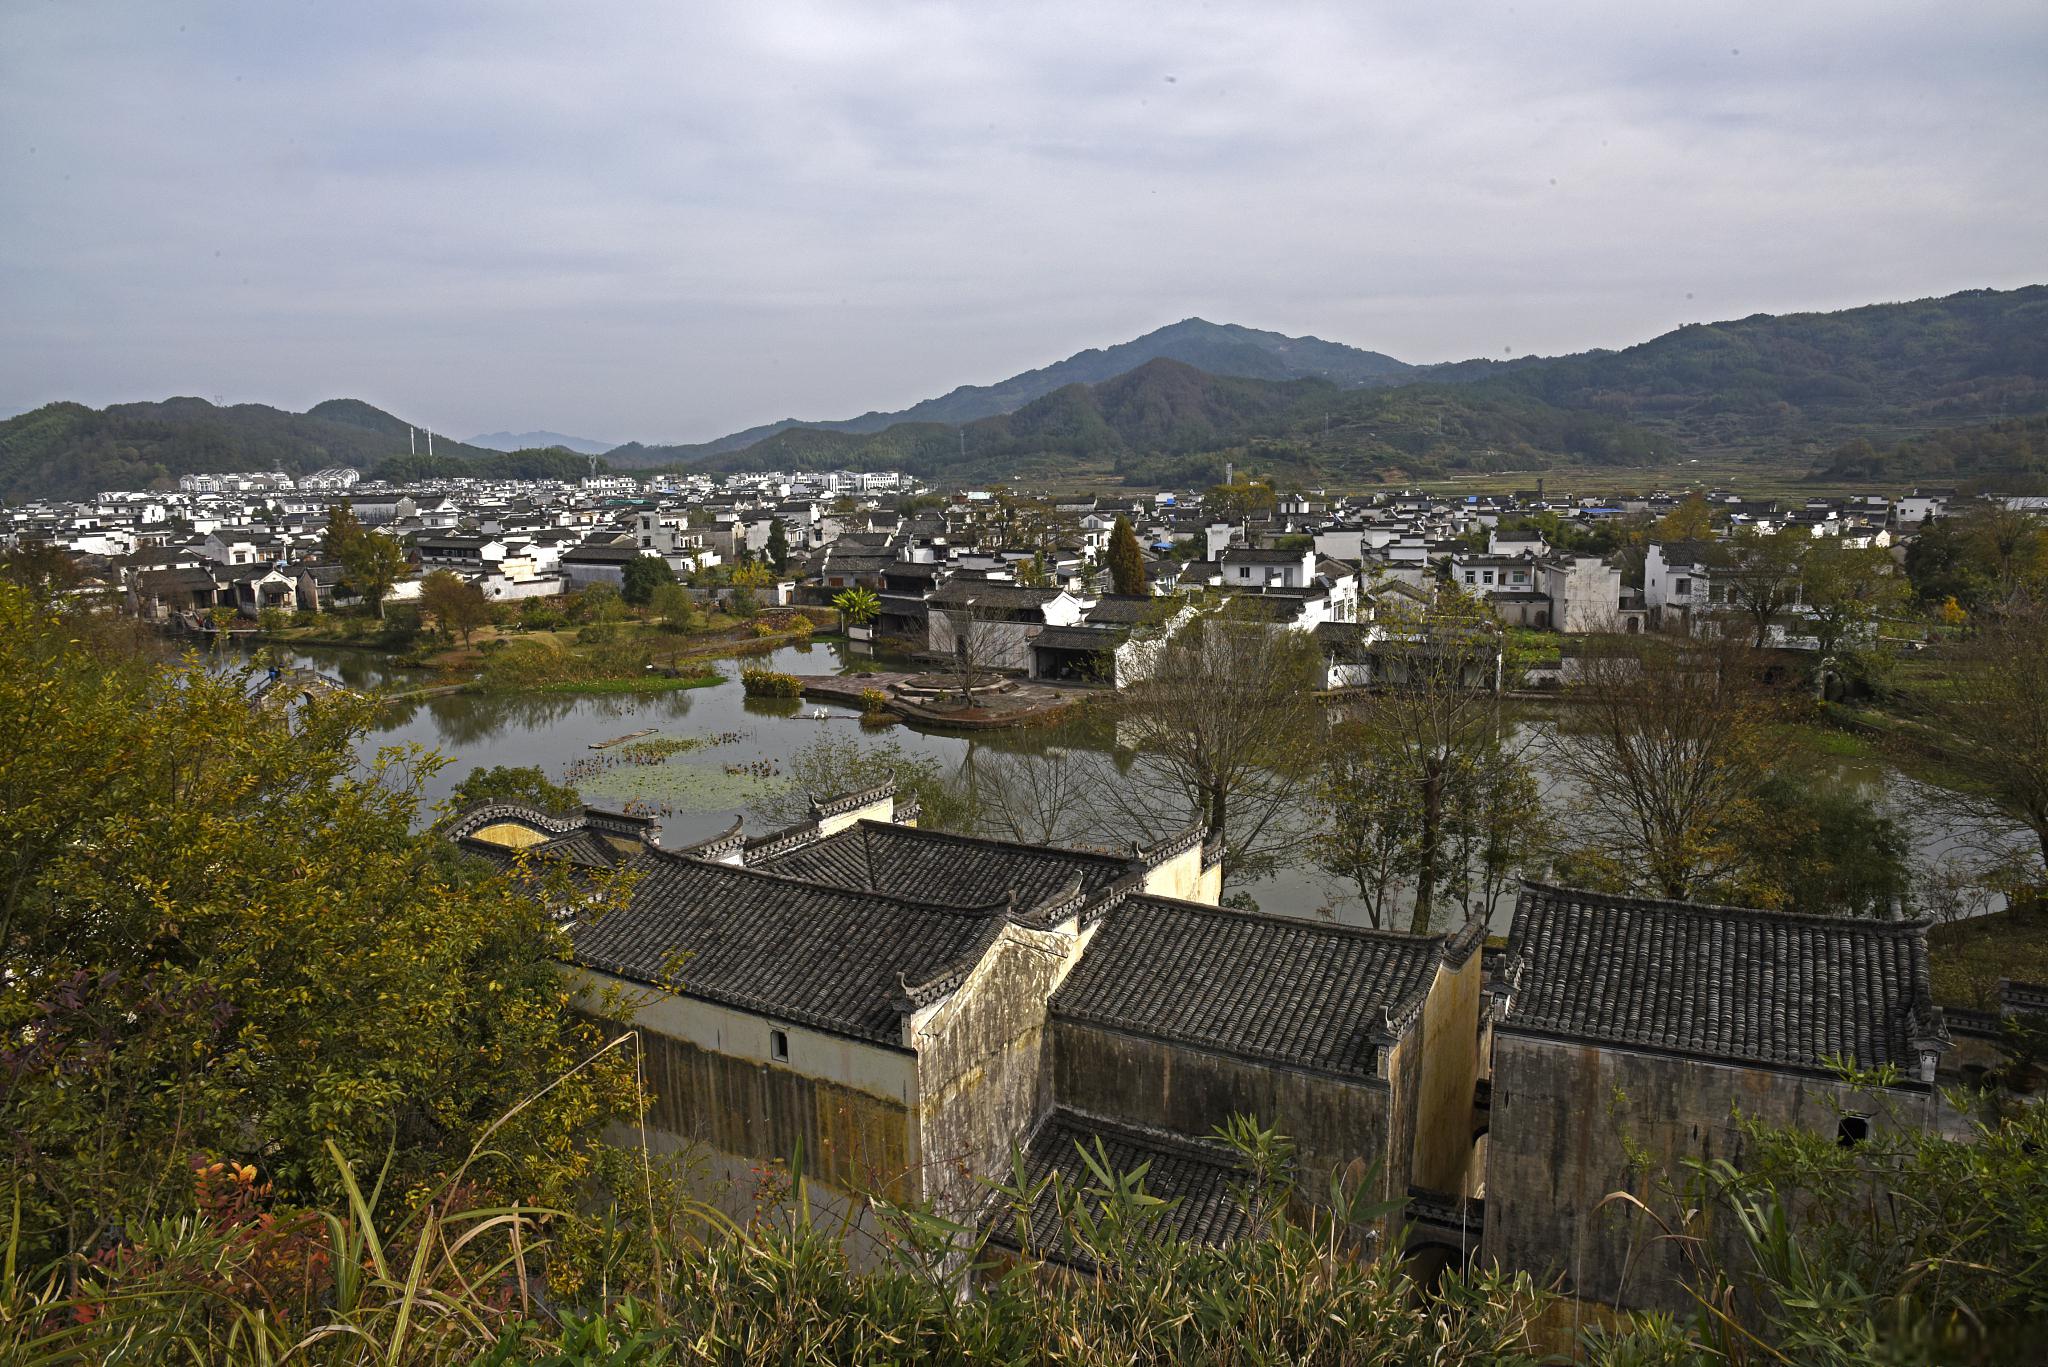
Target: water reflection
<point x="1067" y="782"/>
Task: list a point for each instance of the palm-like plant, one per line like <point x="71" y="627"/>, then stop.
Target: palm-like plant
<point x="857" y="606"/>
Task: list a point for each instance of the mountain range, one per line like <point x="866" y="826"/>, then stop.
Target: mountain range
<point x="540" y="441"/>
<point x="1891" y="389"/>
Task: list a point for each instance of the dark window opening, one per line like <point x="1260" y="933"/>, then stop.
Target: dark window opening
<point x="1852" y="1130"/>
<point x="778" y="1045"/>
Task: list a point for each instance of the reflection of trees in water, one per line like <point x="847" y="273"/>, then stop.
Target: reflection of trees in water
<point x="1041" y="788"/>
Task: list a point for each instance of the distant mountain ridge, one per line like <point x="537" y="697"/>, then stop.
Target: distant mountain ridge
<point x="537" y="441"/>
<point x="1797" y="390"/>
<point x="1218" y="348"/>
<point x="1787" y="387"/>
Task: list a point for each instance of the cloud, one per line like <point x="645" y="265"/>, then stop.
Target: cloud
<point x="673" y="221"/>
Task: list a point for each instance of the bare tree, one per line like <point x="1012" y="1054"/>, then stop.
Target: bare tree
<point x="1431" y="727"/>
<point x="1667" y="749"/>
<point x="1994" y="705"/>
<point x="1226" y="724"/>
<point x="978" y="644"/>
<point x="1761" y="575"/>
<point x="1047" y="797"/>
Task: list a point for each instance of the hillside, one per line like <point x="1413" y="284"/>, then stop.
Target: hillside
<point x="1166" y="422"/>
<point x="1218" y="348"/>
<point x="2004" y="455"/>
<point x="1769" y="384"/>
<point x="1789" y="388"/>
<point x="66" y="450"/>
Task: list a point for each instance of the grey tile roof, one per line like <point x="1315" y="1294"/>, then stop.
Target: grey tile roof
<point x="828" y="957"/>
<point x="1719" y="982"/>
<point x="1271" y="988"/>
<point x="936" y="866"/>
<point x="1200" y="1178"/>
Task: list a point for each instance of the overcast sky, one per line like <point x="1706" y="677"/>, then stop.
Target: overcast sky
<point x="665" y="221"/>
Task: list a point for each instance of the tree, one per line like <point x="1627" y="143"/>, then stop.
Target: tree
<point x="1225" y="725"/>
<point x="778" y="545"/>
<point x="1993" y="703"/>
<point x="1761" y="576"/>
<point x="1846" y="590"/>
<point x="1367" y="840"/>
<point x="1665" y="747"/>
<point x="1236" y="502"/>
<point x="673" y="605"/>
<point x="641" y="577"/>
<point x="1432" y="726"/>
<point x="1126" y="561"/>
<point x="43" y="569"/>
<point x="458" y="605"/>
<point x="975" y="641"/>
<point x="513" y="783"/>
<point x="833" y="766"/>
<point x="1045" y="797"/>
<point x="228" y="924"/>
<point x="370" y="562"/>
<point x="596" y="603"/>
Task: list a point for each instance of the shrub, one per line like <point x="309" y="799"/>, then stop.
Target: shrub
<point x="873" y="701"/>
<point x="401" y="626"/>
<point x="769" y="683"/>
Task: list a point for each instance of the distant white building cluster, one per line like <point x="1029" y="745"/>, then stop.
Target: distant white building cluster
<point x="1026" y="576"/>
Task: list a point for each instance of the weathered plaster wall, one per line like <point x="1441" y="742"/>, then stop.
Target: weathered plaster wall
<point x="1449" y="1047"/>
<point x="1565" y="1116"/>
<point x="890" y="1074"/>
<point x="879" y="810"/>
<point x="1148" y="1082"/>
<point x="1181" y="877"/>
<point x="982" y="1077"/>
<point x="510" y="834"/>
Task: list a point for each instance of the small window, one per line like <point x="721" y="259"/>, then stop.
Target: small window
<point x="778" y="1045"/>
<point x="1852" y="1130"/>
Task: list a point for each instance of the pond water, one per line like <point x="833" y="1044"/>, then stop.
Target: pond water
<point x="744" y="748"/>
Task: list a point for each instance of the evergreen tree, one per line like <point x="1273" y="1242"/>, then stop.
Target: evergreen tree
<point x="778" y="545"/>
<point x="1126" y="561"/>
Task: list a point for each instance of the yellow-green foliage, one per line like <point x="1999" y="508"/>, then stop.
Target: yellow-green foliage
<point x="769" y="683"/>
<point x="211" y="912"/>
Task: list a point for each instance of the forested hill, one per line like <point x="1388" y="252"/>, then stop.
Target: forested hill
<point x="2010" y="455"/>
<point x="66" y="450"/>
<point x="1223" y="349"/>
<point x="1788" y="389"/>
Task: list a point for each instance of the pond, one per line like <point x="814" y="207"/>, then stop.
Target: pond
<point x="743" y="747"/>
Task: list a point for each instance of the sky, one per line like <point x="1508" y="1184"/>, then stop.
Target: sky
<point x="666" y="221"/>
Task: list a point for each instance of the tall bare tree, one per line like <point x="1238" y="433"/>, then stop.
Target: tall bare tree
<point x="1667" y="748"/>
<point x="1226" y="724"/>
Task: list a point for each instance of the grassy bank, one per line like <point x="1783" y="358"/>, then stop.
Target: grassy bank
<point x="1968" y="957"/>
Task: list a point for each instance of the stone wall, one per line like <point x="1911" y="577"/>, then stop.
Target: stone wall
<point x="1567" y="1118"/>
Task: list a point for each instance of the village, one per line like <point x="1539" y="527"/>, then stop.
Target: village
<point x="1025" y="585"/>
<point x="910" y="1007"/>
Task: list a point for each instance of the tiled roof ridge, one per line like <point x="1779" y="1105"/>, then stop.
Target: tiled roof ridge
<point x="1293" y="922"/>
<point x="1002" y="905"/>
<point x="959" y="838"/>
<point x="732" y="838"/>
<point x="1631" y="900"/>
